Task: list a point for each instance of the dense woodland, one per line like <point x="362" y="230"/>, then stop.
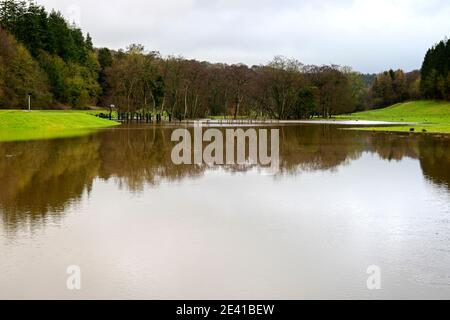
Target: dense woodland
<point x="43" y="55"/>
<point x="436" y="72"/>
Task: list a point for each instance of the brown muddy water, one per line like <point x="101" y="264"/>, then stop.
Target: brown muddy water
<point x="138" y="226"/>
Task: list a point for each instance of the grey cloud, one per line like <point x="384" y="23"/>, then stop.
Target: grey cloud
<point x="368" y="35"/>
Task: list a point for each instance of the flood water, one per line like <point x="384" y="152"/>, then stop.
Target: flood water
<point x="138" y="226"/>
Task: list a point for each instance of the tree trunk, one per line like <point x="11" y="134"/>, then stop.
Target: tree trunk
<point x="185" y="102"/>
<point x="194" y="111"/>
<point x="163" y="105"/>
<point x="238" y="105"/>
<point x="174" y="104"/>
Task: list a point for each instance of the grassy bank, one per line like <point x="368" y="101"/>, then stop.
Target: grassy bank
<point x="430" y="116"/>
<point x="18" y="125"/>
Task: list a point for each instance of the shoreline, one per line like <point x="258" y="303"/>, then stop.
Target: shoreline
<point x="21" y="125"/>
<point x="420" y="117"/>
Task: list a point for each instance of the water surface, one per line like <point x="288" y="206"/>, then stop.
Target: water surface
<point x="140" y="227"/>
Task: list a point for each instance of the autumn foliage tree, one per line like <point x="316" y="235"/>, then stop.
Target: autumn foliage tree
<point x="20" y="76"/>
<point x="391" y="87"/>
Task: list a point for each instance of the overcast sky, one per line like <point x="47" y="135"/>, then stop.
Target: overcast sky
<point x="368" y="35"/>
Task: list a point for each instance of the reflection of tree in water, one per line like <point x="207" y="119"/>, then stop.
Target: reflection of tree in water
<point x="139" y="157"/>
<point x="317" y="148"/>
<point x="393" y="146"/>
<point x="432" y="151"/>
<point x="435" y="160"/>
<point x="44" y="177"/>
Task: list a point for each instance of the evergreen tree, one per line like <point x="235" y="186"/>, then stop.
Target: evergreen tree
<point x="105" y="60"/>
<point x="436" y="72"/>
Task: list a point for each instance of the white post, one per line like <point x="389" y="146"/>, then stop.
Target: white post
<point x="29" y="102"/>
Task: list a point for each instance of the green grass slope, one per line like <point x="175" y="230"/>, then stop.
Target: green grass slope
<point x="23" y="125"/>
<point x="430" y="116"/>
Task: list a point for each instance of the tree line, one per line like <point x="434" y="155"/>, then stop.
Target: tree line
<point x="436" y="72"/>
<point x="44" y="56"/>
<point x="391" y="87"/>
<point x="283" y="89"/>
<point x="431" y="82"/>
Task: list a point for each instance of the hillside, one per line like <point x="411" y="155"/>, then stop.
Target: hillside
<point x="23" y="125"/>
<point x="431" y="116"/>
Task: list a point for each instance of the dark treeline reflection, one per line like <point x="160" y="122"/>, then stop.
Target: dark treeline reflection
<point x="42" y="178"/>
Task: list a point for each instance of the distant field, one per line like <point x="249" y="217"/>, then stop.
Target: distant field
<point x="430" y="116"/>
<point x="23" y="125"/>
